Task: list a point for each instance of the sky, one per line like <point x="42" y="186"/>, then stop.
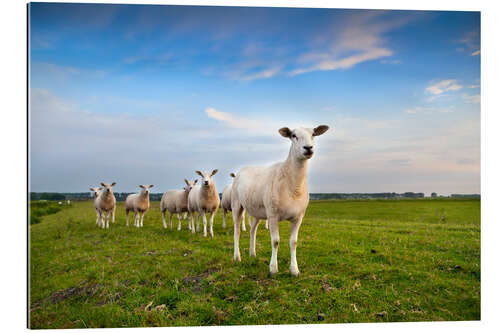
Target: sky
<point x="143" y="94"/>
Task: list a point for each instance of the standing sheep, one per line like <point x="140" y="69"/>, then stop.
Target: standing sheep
<point x="96" y="191"/>
<point x="105" y="204"/>
<point x="203" y="198"/>
<point x="226" y="204"/>
<point x="277" y="192"/>
<point x="176" y="201"/>
<point x="139" y="204"/>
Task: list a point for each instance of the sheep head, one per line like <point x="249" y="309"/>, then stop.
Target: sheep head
<point x="303" y="140"/>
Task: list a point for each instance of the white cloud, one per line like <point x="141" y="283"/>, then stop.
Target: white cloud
<point x="391" y="62"/>
<point x="421" y="109"/>
<point x="471" y="98"/>
<point x="263" y="127"/>
<point x="471" y="43"/>
<point x="440" y="87"/>
<point x="358" y="39"/>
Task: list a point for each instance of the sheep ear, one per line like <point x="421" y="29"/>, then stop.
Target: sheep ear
<point x="91" y="189"/>
<point x="186" y="181"/>
<point x="320" y="130"/>
<point x="214" y="172"/>
<point x="195" y="181"/>
<point x="285" y="132"/>
<point x="99" y="189"/>
<point x="151" y="186"/>
<point x="113" y="184"/>
<point x="199" y="172"/>
<point x="102" y="184"/>
<point x="141" y="186"/>
<point x="232" y="175"/>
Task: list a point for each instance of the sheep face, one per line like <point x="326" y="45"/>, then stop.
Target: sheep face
<point x="206" y="177"/>
<point x="303" y="140"/>
<point x="108" y="187"/>
<point x="145" y="188"/>
<point x="190" y="184"/>
<point x="96" y="190"/>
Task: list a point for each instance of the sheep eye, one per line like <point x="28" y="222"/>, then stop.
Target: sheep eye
<point x="294" y="136"/>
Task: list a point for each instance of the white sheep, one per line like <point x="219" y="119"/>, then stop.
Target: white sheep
<point x="96" y="191"/>
<point x="277" y="192"/>
<point x="202" y="199"/>
<point x="226" y="204"/>
<point x="139" y="204"/>
<point x="105" y="204"/>
<point x="176" y="202"/>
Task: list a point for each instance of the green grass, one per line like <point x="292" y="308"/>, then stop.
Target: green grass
<point x="360" y="261"/>
<point x="38" y="209"/>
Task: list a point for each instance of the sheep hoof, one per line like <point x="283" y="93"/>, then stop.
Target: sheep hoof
<point x="294" y="271"/>
<point x="237" y="257"/>
<point x="273" y="270"/>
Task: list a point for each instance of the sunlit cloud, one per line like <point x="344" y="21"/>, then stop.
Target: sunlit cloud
<point x="440" y="87"/>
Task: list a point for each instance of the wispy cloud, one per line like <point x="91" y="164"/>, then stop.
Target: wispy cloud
<point x="421" y="109"/>
<point x="361" y="38"/>
<point x="471" y="98"/>
<point x="233" y="121"/>
<point x="440" y="87"/>
<point x="390" y="62"/>
<point x="471" y="43"/>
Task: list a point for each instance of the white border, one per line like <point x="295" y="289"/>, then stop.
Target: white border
<point x="13" y="132"/>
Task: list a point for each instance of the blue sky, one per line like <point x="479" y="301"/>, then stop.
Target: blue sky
<point x="142" y="94"/>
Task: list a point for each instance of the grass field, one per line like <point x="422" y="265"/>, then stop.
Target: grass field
<point x="360" y="261"/>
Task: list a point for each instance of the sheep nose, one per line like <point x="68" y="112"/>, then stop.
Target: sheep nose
<point x="308" y="148"/>
<point x="206" y="182"/>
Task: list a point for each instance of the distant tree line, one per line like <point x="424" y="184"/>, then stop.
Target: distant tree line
<point x="121" y="196"/>
<point x="382" y="195"/>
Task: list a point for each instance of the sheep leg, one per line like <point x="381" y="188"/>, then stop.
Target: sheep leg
<point x="107" y="219"/>
<point x="267" y="224"/>
<point x="204" y="224"/>
<point x="224" y="211"/>
<point x="275" y="242"/>
<point x="100" y="219"/>
<point x="198" y="222"/>
<point x="179" y="218"/>
<point x="185" y="215"/>
<point x="212" y="215"/>
<point x="254" y="224"/>
<point x="163" y="216"/>
<point x="237" y="212"/>
<point x="113" y="214"/>
<point x="193" y="230"/>
<point x="142" y="219"/>
<point x="97" y="217"/>
<point x="170" y="220"/>
<point x="243" y="227"/>
<point x="103" y="219"/>
<point x="294" y="232"/>
<point x="136" y="219"/>
<point x="126" y="216"/>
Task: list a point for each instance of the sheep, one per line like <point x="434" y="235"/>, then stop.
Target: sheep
<point x="139" y="204"/>
<point x="96" y="191"/>
<point x="204" y="198"/>
<point x="176" y="201"/>
<point x="226" y="204"/>
<point x="105" y="204"/>
<point x="277" y="192"/>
